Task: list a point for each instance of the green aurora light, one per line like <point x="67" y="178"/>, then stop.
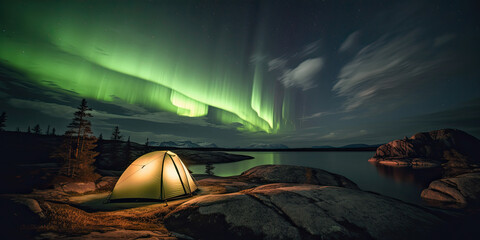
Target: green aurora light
<point x="168" y="67"/>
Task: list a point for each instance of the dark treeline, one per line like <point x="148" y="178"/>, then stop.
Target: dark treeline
<point x="36" y="129"/>
<point x="77" y="150"/>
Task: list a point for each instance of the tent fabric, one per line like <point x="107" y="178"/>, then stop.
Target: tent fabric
<point x="157" y="175"/>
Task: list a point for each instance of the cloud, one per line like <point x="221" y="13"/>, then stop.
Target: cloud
<point x="142" y="135"/>
<point x="51" y="109"/>
<point x="349" y="41"/>
<point x="439" y="41"/>
<point x="465" y="116"/>
<point x="66" y="112"/>
<point x="303" y="75"/>
<point x="341" y="135"/>
<point x="276" y="63"/>
<point x="317" y="115"/>
<point x="387" y="68"/>
<point x="310" y="48"/>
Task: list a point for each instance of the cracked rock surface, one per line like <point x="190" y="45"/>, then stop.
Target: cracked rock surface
<point x="301" y="211"/>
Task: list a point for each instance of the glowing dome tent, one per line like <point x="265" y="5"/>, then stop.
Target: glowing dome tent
<point x="157" y="175"/>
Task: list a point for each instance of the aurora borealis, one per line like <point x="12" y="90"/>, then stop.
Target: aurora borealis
<point x="293" y="72"/>
<point x="168" y="71"/>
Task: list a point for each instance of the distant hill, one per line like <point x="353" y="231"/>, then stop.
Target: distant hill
<point x="361" y="145"/>
<point x="324" y="146"/>
<point x="207" y="145"/>
<point x="267" y="146"/>
<point x="185" y="144"/>
<point x="356" y="145"/>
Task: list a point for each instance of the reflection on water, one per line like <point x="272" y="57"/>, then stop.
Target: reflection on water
<point x="402" y="183"/>
<point x="420" y="177"/>
<point x="236" y="168"/>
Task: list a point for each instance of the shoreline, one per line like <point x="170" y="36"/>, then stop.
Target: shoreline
<point x="277" y="150"/>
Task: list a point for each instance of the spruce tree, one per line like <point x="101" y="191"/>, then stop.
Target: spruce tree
<point x="28" y="130"/>
<point x="116" y="134"/>
<point x="115" y="148"/>
<point x="77" y="150"/>
<point x="3" y="119"/>
<point x="37" y="130"/>
<point x="53" y="131"/>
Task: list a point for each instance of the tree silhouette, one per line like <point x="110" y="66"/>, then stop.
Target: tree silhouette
<point x="48" y="130"/>
<point x="209" y="168"/>
<point x="28" y="130"/>
<point x="53" y="131"/>
<point x="116" y="134"/>
<point x="37" y="130"/>
<point x="3" y="119"/>
<point x="77" y="148"/>
<point x="115" y="148"/>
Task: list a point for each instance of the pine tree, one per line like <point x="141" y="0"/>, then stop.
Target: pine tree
<point x="116" y="134"/>
<point x="77" y="149"/>
<point x="115" y="148"/>
<point x="17" y="129"/>
<point x="53" y="131"/>
<point x="3" y="119"/>
<point x="48" y="130"/>
<point x="28" y="130"/>
<point x="100" y="137"/>
<point x="37" y="130"/>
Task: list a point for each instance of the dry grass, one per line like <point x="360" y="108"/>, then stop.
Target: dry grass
<point x="62" y="218"/>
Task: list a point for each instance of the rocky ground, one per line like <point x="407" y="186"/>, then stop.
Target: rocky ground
<point x="265" y="202"/>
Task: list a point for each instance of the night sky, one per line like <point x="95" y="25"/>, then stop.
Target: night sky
<point x="234" y="73"/>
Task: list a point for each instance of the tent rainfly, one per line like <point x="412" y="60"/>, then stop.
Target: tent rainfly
<point x="158" y="175"/>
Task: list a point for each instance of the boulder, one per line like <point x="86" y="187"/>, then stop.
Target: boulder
<point x="56" y="194"/>
<point x="33" y="205"/>
<point x="302" y="211"/>
<point x="457" y="192"/>
<point x="18" y="214"/>
<point x="106" y="183"/>
<point x="457" y="151"/>
<point x="217" y="185"/>
<point x="296" y="174"/>
<point x="78" y="187"/>
<point x="266" y="174"/>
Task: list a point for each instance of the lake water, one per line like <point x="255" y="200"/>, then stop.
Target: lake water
<point x="402" y="183"/>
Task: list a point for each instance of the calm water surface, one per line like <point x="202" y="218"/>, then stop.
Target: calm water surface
<point x="401" y="183"/>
